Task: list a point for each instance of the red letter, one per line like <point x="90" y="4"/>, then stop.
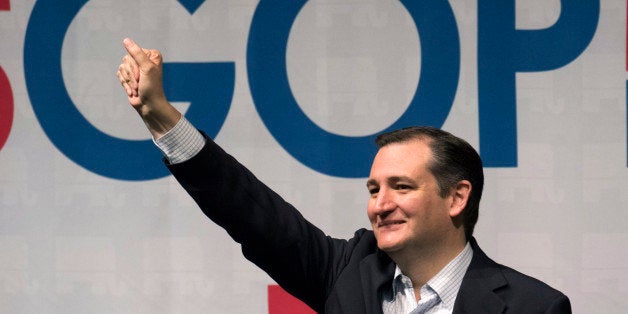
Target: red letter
<point x="6" y="105"/>
<point x="6" y="97"/>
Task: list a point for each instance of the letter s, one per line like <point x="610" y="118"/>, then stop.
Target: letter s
<point x="6" y="108"/>
<point x="6" y="96"/>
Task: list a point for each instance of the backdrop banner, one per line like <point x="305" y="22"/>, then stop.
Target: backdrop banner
<point x="91" y="221"/>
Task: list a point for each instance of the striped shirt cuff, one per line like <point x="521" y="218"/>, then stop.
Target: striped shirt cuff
<point x="181" y="143"/>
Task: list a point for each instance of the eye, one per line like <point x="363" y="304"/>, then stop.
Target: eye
<point x="373" y="190"/>
<point x="402" y="187"/>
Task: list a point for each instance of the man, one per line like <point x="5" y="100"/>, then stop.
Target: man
<point x="425" y="187"/>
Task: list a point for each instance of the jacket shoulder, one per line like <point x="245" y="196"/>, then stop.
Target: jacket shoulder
<point x="492" y="287"/>
<point x="531" y="294"/>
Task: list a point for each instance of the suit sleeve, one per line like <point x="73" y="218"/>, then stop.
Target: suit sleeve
<point x="273" y="234"/>
<point x="560" y="305"/>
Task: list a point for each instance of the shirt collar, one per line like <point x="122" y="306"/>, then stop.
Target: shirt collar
<point x="448" y="280"/>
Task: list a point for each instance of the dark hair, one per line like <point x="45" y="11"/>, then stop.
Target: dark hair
<point x="453" y="160"/>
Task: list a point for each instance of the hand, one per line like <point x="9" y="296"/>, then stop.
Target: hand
<point x="140" y="74"/>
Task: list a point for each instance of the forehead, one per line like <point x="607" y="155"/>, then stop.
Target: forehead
<point x="404" y="158"/>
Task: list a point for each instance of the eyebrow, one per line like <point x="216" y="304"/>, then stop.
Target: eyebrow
<point x="370" y="182"/>
<point x="393" y="179"/>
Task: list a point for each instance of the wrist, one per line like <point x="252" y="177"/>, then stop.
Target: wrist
<point x="159" y="117"/>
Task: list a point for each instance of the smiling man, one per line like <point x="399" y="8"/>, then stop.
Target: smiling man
<point x="419" y="219"/>
<point x="425" y="187"/>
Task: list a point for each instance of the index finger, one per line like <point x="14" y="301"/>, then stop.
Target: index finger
<point x="136" y="52"/>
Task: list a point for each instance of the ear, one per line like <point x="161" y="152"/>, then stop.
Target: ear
<point x="459" y="197"/>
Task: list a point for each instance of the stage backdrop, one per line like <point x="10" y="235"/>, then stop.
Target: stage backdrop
<point x="91" y="222"/>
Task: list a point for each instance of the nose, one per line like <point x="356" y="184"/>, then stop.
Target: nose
<point x="383" y="202"/>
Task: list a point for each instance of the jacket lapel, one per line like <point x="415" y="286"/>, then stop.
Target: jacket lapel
<point x="477" y="292"/>
<point x="376" y="273"/>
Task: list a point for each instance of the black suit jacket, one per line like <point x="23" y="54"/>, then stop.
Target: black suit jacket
<point x="335" y="275"/>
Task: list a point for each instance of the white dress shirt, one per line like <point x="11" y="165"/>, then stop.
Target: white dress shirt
<point x="438" y="295"/>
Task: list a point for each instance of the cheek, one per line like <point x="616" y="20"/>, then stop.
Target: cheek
<point x="415" y="208"/>
<point x="370" y="212"/>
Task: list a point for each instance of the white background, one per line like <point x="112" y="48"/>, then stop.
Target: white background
<point x="72" y="241"/>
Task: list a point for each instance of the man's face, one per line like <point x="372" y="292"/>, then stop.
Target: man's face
<point x="405" y="208"/>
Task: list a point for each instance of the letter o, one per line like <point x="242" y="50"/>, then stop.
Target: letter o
<point x="333" y="154"/>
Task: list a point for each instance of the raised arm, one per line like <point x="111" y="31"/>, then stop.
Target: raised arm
<point x="140" y="74"/>
<point x="273" y="234"/>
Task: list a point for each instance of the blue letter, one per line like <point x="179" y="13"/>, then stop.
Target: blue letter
<point x="503" y="51"/>
<point x="208" y="86"/>
<point x="329" y="153"/>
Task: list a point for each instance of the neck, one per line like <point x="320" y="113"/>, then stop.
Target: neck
<point x="423" y="264"/>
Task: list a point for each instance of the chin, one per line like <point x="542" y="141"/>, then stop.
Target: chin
<point x="389" y="247"/>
